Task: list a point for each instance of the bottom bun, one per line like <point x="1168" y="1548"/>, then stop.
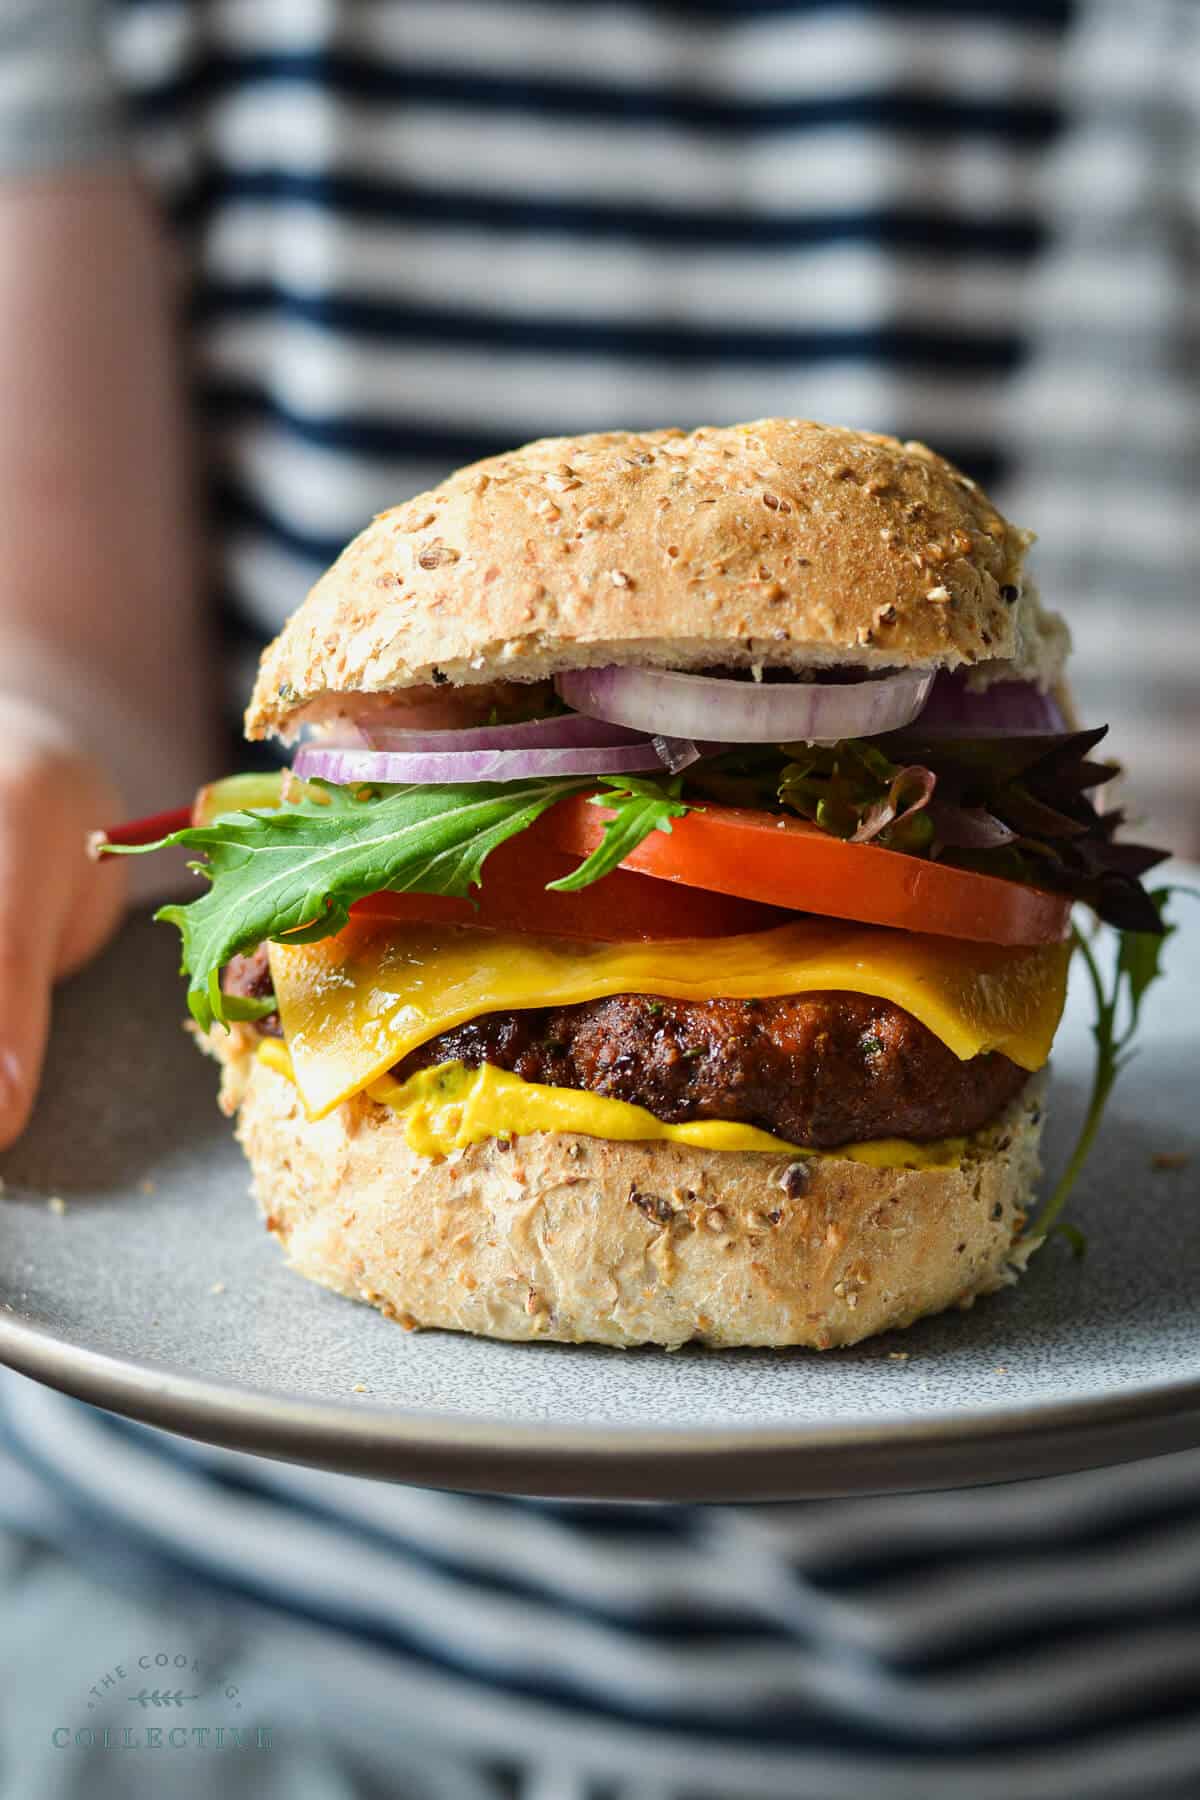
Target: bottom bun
<point x="586" y="1240"/>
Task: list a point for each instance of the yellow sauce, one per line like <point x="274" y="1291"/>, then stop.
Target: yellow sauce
<point x="450" y="1106"/>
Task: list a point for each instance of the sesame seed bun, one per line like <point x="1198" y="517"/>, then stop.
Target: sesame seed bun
<point x="779" y="544"/>
<point x="560" y="1236"/>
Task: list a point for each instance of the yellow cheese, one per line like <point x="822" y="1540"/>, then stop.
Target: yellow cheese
<point x="274" y="1054"/>
<point x="355" y="1004"/>
<point x="450" y="1106"/>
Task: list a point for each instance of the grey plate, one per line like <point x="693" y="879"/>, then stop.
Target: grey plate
<point x="158" y="1294"/>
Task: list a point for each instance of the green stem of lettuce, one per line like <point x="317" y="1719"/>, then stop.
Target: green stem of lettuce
<point x="1104" y="1076"/>
<point x="1137" y="965"/>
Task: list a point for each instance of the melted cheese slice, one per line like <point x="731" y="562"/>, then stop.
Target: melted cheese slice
<point x="448" y="1107"/>
<point x="353" y="1005"/>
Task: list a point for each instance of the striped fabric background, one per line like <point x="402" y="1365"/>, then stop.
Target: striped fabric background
<point x="421" y="230"/>
<point x="1105" y="413"/>
<point x="1038" y="1640"/>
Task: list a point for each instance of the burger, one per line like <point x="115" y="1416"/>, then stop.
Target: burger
<point x="661" y="929"/>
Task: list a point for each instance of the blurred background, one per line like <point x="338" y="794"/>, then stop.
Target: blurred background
<point x="404" y="234"/>
<point x="414" y="234"/>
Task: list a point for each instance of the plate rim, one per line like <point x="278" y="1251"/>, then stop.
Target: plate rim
<point x="471" y="1453"/>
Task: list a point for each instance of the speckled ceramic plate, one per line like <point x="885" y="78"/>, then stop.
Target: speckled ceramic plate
<point x="134" y="1272"/>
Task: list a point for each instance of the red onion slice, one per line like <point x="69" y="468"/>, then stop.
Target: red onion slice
<point x="568" y="732"/>
<point x="714" y="707"/>
<point x="430" y="768"/>
<point x="1007" y="708"/>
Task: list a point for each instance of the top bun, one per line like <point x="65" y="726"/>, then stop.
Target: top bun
<point x="781" y="544"/>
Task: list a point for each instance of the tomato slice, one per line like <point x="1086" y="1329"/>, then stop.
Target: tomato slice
<point x="789" y="863"/>
<point x="621" y="908"/>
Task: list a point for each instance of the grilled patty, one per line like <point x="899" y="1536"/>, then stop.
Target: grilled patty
<point x="817" y="1069"/>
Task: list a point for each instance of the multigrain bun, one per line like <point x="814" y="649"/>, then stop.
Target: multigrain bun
<point x="783" y="544"/>
<point x="566" y="1237"/>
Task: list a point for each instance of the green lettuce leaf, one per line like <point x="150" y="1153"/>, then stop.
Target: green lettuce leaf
<point x="640" y="807"/>
<point x="296" y="870"/>
<point x="240" y="1006"/>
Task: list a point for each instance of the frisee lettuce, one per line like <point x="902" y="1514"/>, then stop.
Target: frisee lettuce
<point x="296" y="870"/>
<point x="1018" y="807"/>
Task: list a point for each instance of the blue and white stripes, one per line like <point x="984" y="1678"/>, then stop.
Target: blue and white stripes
<point x="1038" y="1639"/>
<point x="1105" y="432"/>
<point x="423" y="231"/>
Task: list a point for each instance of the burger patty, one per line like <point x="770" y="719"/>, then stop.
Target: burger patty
<point x="817" y="1069"/>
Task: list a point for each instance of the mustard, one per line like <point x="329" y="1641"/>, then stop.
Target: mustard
<point x="450" y="1106"/>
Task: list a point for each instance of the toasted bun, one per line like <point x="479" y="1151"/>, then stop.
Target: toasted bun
<point x="590" y="1241"/>
<point x="783" y="544"/>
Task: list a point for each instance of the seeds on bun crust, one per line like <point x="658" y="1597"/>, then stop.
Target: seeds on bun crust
<point x="783" y="543"/>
